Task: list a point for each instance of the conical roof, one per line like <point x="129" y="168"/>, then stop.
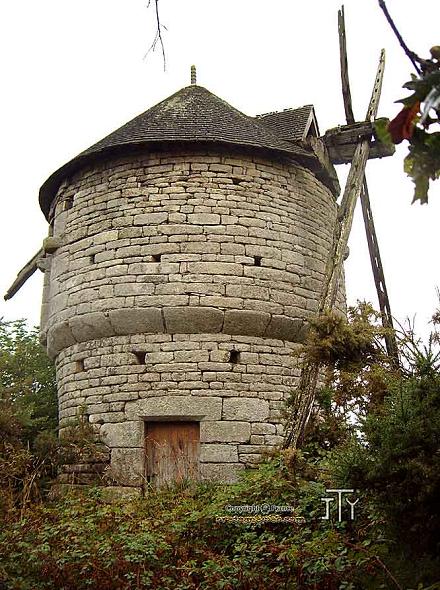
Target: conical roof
<point x="193" y="114"/>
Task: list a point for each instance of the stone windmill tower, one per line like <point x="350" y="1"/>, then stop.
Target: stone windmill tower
<point x="186" y="253"/>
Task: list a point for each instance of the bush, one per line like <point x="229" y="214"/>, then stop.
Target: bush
<point x="173" y="539"/>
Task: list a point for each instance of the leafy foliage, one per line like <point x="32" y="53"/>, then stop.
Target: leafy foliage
<point x="27" y="382"/>
<point x="28" y="415"/>
<point x="417" y="122"/>
<point x="356" y="363"/>
<point x="397" y="459"/>
<point x="173" y="539"/>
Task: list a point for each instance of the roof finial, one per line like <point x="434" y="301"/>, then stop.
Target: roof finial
<point x="193" y="75"/>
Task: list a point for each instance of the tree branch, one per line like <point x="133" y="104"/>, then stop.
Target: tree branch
<point x="158" y="36"/>
<point x="411" y="55"/>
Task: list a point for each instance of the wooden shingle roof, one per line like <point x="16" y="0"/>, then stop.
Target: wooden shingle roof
<point x="193" y="114"/>
<point x="292" y="124"/>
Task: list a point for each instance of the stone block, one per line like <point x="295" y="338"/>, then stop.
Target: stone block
<point x="137" y="321"/>
<point x="257" y="439"/>
<point x="150" y="218"/>
<point x="106" y="237"/>
<point x="219" y="356"/>
<point x="245" y="323"/>
<point x="216" y="268"/>
<point x="275" y="440"/>
<point x="128" y="289"/>
<point x="192" y="320"/>
<point x="200" y="247"/>
<point x="252" y="459"/>
<point x="245" y="408"/>
<point x="90" y="326"/>
<point x="126" y="434"/>
<point x="51" y="244"/>
<point x="127" y="466"/>
<point x="224" y="431"/>
<point x="183" y="407"/>
<point x="284" y="328"/>
<point x="221" y="168"/>
<point x="159" y="357"/>
<point x="263" y="428"/>
<point x="217" y="453"/>
<point x="204" y="218"/>
<point x="221" y="472"/>
<point x="247" y="292"/>
<point x="59" y="337"/>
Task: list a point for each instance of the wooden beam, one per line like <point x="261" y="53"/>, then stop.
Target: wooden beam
<point x="373" y="244"/>
<point x="303" y="404"/>
<point x="346" y="93"/>
<point x="341" y="142"/>
<point x="25" y="273"/>
<point x="352" y="191"/>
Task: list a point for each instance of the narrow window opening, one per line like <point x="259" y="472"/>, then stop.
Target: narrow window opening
<point x="156" y="257"/>
<point x="234" y="356"/>
<point x="257" y="260"/>
<point x="92" y="259"/>
<point x="68" y="204"/>
<point x="140" y="356"/>
<point x="79" y="366"/>
<point x="236" y="181"/>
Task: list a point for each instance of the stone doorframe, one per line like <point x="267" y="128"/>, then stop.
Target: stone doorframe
<point x="126" y="439"/>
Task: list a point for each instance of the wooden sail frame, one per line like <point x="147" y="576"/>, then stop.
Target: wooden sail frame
<point x="356" y="186"/>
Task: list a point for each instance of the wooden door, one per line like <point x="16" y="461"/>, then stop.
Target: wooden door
<point x="172" y="452"/>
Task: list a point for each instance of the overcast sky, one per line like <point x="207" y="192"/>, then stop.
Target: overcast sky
<point x="74" y="71"/>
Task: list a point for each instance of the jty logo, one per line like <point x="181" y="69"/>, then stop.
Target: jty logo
<point x="339" y="496"/>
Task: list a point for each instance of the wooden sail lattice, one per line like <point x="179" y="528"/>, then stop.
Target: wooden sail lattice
<point x="370" y="230"/>
<point x="356" y="186"/>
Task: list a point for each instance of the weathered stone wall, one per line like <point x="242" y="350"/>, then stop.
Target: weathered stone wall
<point x="242" y="247"/>
<point x="185" y="257"/>
<point x="124" y="380"/>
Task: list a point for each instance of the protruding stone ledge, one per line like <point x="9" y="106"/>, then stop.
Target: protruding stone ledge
<point x="137" y="321"/>
<point x="51" y="244"/>
<point x="246" y="323"/>
<point x="59" y="337"/>
<point x="193" y="320"/>
<point x="284" y="328"/>
<point x="172" y="320"/>
<point x="91" y="326"/>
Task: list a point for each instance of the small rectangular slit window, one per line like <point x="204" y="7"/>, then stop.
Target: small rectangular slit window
<point x="234" y="356"/>
<point x="156" y="257"/>
<point x="257" y="260"/>
<point x="68" y="204"/>
<point x="79" y="366"/>
<point x="140" y="356"/>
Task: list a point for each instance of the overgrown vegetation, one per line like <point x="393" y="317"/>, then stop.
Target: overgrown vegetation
<point x="28" y="416"/>
<point x="374" y="429"/>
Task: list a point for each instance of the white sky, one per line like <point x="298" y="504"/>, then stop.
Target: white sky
<point x="73" y="71"/>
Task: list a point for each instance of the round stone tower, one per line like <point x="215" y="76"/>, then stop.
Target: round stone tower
<point x="186" y="254"/>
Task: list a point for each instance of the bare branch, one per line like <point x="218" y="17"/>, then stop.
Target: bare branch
<point x="158" y="36"/>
